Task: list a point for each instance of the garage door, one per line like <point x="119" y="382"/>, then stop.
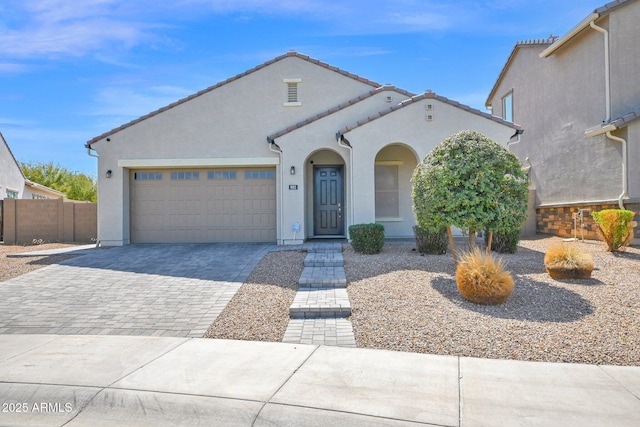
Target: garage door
<point x="203" y="205"/>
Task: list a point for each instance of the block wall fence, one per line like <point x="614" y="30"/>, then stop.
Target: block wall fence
<point x="51" y="220"/>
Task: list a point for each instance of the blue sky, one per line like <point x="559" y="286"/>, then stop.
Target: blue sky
<point x="71" y="70"/>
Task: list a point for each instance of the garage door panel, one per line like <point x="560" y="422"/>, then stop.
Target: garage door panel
<point x="223" y="205"/>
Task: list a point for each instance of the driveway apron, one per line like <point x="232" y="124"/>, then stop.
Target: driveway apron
<point x="156" y="290"/>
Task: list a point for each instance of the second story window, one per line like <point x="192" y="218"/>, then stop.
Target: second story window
<point x="293" y="99"/>
<point x="507" y="107"/>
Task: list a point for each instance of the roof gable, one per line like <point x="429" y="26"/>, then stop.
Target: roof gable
<point x="514" y="52"/>
<point x="418" y="98"/>
<point x="232" y="79"/>
<point x="339" y="108"/>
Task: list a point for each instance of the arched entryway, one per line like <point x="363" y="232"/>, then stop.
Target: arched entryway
<point x="326" y="193"/>
<point x="394" y="166"/>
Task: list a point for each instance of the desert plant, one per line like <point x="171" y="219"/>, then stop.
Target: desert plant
<point x="568" y="261"/>
<point x="471" y="182"/>
<point x="614" y="226"/>
<point x="367" y="238"/>
<point x="482" y="279"/>
<point x="506" y="242"/>
<point x="430" y="241"/>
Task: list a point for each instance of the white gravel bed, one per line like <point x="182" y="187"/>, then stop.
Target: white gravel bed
<point x="407" y="302"/>
<point x="259" y="311"/>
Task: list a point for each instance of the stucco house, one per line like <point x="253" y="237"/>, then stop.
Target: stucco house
<point x="14" y="185"/>
<point x="577" y="99"/>
<point x="290" y="150"/>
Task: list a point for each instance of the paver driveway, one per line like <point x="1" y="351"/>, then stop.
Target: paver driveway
<point x="169" y="290"/>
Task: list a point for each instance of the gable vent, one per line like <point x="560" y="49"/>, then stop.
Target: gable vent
<point x="388" y="99"/>
<point x="292" y="92"/>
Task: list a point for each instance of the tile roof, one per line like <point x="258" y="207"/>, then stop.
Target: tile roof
<point x="231" y="79"/>
<point x="428" y="95"/>
<point x="609" y="7"/>
<point x="340" y="107"/>
<point x="626" y="119"/>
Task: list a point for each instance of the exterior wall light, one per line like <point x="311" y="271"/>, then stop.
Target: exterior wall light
<point x="109" y="173"/>
<point x="292" y="171"/>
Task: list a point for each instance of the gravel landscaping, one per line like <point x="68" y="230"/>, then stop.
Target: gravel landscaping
<point x="13" y="267"/>
<point x="259" y="311"/>
<point x="407" y="302"/>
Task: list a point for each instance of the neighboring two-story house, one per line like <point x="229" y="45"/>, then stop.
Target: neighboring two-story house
<point x="577" y="99"/>
<point x="290" y="150"/>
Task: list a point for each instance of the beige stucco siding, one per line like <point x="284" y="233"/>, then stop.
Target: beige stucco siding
<point x="557" y="98"/>
<point x="408" y="126"/>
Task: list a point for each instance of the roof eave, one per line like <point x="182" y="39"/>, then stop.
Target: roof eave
<point x="571" y="34"/>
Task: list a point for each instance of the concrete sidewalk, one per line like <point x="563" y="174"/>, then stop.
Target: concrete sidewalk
<point x="54" y="380"/>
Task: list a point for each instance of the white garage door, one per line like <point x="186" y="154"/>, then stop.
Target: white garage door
<point x="203" y="205"/>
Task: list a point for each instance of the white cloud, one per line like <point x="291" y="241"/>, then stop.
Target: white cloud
<point x="127" y="103"/>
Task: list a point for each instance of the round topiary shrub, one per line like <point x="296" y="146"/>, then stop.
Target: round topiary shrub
<point x="430" y="241"/>
<point x="482" y="279"/>
<point x="470" y="182"/>
<point x="367" y="238"/>
<point x="568" y="261"/>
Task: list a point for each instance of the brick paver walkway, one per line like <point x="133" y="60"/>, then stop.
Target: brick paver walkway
<point x="168" y="290"/>
<point x="321" y="306"/>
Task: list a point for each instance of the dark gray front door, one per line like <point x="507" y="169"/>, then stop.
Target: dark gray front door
<point x="328" y="203"/>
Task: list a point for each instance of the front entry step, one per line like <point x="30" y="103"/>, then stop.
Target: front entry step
<point x="310" y="303"/>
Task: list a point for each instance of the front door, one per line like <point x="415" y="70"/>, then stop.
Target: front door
<point x="328" y="201"/>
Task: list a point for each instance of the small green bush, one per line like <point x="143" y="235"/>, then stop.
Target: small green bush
<point x="367" y="238"/>
<point x="428" y="241"/>
<point x="614" y="226"/>
<point x="505" y="242"/>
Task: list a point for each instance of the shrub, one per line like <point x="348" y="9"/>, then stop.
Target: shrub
<point x="482" y="279"/>
<point x="367" y="238"/>
<point x="614" y="226"/>
<point x="471" y="182"/>
<point x="505" y="242"/>
<point x="430" y="241"/>
<point x="568" y="261"/>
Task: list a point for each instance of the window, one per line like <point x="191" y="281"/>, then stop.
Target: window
<point x="387" y="197"/>
<point x="292" y="93"/>
<point x="12" y="194"/>
<point x="185" y="175"/>
<point x="259" y="174"/>
<point x="221" y="174"/>
<point x="147" y="176"/>
<point x="507" y="107"/>
<point x="37" y="197"/>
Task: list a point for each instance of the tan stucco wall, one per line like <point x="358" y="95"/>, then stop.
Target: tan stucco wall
<point x="409" y="127"/>
<point x="559" y="97"/>
<point x="233" y="121"/>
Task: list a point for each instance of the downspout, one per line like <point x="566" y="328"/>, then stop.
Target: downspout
<point x="607" y="95"/>
<point x="625" y="184"/>
<point x="517" y="135"/>
<point x="607" y="70"/>
<point x="88" y="147"/>
<point x="271" y="143"/>
<point x="344" y="142"/>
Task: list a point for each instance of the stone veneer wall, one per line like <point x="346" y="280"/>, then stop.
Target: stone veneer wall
<point x="558" y="220"/>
